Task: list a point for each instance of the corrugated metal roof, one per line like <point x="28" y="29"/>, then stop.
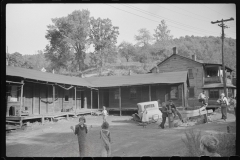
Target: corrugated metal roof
<point x="44" y="76"/>
<point x="107" y="81"/>
<point x="139" y="79"/>
<point x="218" y="85"/>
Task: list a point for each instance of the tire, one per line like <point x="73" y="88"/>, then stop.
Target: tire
<point x="155" y="118"/>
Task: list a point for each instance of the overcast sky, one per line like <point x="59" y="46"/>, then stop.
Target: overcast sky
<point x="26" y="24"/>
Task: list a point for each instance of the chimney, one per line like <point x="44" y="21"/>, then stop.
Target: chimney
<point x="174" y="50"/>
<point x="194" y="57"/>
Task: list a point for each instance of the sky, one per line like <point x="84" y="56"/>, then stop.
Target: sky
<point x="26" y="24"/>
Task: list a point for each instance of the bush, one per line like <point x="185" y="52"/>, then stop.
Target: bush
<point x="227" y="144"/>
<point x="192" y="143"/>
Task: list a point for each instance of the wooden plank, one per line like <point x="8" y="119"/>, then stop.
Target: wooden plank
<point x="196" y="114"/>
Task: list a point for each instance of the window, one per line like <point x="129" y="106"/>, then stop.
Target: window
<point x="14" y="93"/>
<point x="174" y="92"/>
<point x="133" y="93"/>
<point x="66" y="96"/>
<point x="230" y="94"/>
<point x="213" y="93"/>
<point x="191" y="92"/>
<point x="116" y="94"/>
<point x="190" y="73"/>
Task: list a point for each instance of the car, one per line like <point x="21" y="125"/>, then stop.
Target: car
<point x="153" y="112"/>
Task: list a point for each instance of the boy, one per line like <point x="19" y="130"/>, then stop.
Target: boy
<point x="105" y="114"/>
<point x="106" y="140"/>
<point x="209" y="144"/>
<point x="81" y="131"/>
<point x="202" y="98"/>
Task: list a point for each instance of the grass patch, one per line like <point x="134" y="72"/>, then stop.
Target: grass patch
<point x="226" y="148"/>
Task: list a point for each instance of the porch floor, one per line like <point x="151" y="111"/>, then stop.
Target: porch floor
<point x="19" y="119"/>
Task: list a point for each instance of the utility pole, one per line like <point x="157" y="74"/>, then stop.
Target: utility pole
<point x="223" y="26"/>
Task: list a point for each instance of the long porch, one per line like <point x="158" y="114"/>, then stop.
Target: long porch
<point x="21" y="120"/>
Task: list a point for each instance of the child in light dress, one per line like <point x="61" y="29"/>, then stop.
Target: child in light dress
<point x="105" y="114"/>
<point x="106" y="140"/>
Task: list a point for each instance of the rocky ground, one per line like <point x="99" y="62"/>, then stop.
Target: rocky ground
<point x="55" y="139"/>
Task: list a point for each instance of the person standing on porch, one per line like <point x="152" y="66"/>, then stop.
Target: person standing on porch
<point x="223" y="101"/>
<point x="81" y="131"/>
<point x="106" y="140"/>
<point x="105" y="114"/>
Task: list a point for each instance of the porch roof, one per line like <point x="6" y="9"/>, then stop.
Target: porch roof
<point x="107" y="81"/>
<point x="218" y="85"/>
<point x="140" y="79"/>
<point x="45" y="76"/>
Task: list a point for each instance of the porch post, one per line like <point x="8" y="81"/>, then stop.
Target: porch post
<point x="21" y="102"/>
<point x="183" y="94"/>
<point x="98" y="98"/>
<point x="149" y="92"/>
<point x="91" y="98"/>
<point x="120" y="106"/>
<point x="75" y="99"/>
<point x="33" y="99"/>
<point x="53" y="98"/>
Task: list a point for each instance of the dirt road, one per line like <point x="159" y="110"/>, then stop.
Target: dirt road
<point x="129" y="139"/>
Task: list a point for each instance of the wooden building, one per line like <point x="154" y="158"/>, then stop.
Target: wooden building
<point x="122" y="93"/>
<point x="34" y="92"/>
<point x="202" y="76"/>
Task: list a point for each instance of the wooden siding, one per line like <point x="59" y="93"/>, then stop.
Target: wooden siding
<point x="177" y="63"/>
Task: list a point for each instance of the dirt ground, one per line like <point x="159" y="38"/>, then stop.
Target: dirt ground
<point x="55" y="139"/>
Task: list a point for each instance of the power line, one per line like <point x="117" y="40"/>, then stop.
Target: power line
<point x="184" y="14"/>
<point x="151" y="14"/>
<point x="214" y="10"/>
<point x="153" y="20"/>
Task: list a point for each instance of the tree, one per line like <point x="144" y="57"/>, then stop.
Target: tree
<point x="103" y="36"/>
<point x="69" y="38"/>
<point x="162" y="33"/>
<point x="15" y="59"/>
<point x="126" y="50"/>
<point x="143" y="38"/>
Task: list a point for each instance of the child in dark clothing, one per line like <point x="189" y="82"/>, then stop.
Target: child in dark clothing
<point x="81" y="131"/>
<point x="106" y="140"/>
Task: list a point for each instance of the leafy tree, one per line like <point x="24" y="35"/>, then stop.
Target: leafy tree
<point x="69" y="38"/>
<point x="162" y="33"/>
<point x="103" y="36"/>
<point x="15" y="59"/>
<point x="144" y="37"/>
<point x="126" y="50"/>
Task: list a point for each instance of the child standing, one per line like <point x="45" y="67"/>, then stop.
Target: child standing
<point x="106" y="140"/>
<point x="81" y="131"/>
<point x="105" y="114"/>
